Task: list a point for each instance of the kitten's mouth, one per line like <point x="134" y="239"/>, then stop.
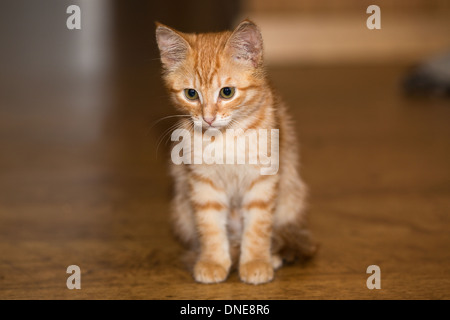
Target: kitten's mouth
<point x="214" y="126"/>
<point x="217" y="125"/>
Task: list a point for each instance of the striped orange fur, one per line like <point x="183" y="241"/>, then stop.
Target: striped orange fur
<point x="231" y="214"/>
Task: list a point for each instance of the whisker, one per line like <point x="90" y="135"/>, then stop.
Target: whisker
<point x="168" y="117"/>
<point x="164" y="134"/>
<point x="179" y="126"/>
<point x="234" y="121"/>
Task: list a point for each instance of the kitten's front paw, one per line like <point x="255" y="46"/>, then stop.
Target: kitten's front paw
<point x="256" y="272"/>
<point x="209" y="272"/>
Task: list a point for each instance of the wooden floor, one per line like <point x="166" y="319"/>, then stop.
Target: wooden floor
<point x="89" y="188"/>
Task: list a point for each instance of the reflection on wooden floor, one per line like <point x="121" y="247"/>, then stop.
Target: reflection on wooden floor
<point x="376" y="162"/>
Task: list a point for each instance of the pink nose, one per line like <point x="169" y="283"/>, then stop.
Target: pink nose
<point x="209" y="120"/>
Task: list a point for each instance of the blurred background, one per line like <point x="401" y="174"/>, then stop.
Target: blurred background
<point x="83" y="166"/>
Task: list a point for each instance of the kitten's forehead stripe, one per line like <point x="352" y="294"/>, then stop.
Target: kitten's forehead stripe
<point x="207" y="49"/>
<point x="196" y="77"/>
<point x="199" y="77"/>
<point x="249" y="87"/>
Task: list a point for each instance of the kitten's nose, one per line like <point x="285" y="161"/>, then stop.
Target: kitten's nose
<point x="209" y="120"/>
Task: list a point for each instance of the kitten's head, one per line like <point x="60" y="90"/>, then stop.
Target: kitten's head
<point x="214" y="77"/>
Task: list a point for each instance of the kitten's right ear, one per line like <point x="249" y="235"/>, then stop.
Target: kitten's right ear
<point x="173" y="47"/>
<point x="246" y="43"/>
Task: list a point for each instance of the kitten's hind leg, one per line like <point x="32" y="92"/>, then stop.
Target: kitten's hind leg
<point x="277" y="261"/>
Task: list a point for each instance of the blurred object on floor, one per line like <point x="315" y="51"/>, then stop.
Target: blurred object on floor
<point x="432" y="77"/>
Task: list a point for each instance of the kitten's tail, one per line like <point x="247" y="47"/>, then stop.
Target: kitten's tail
<point x="294" y="242"/>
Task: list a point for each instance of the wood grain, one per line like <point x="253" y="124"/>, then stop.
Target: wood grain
<point x="376" y="162"/>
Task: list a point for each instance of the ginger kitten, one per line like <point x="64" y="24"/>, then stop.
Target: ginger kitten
<point x="231" y="214"/>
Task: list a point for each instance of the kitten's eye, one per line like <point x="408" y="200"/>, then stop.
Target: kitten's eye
<point x="191" y="94"/>
<point x="227" y="92"/>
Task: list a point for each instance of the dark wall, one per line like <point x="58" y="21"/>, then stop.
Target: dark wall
<point x="135" y="23"/>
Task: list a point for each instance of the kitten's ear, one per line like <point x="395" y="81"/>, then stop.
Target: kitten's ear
<point x="173" y="47"/>
<point x="246" y="43"/>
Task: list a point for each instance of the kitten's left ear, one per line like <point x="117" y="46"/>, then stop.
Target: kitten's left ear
<point x="246" y="44"/>
<point x="172" y="46"/>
